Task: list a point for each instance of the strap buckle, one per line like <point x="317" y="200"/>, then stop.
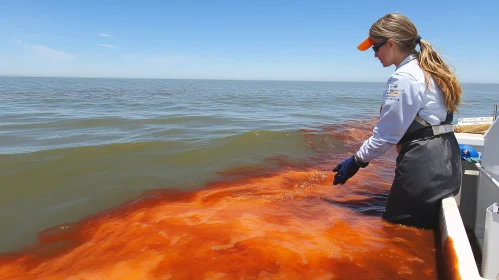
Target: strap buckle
<point x="441" y="129"/>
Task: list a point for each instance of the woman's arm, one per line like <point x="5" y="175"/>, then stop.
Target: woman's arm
<point x="402" y="101"/>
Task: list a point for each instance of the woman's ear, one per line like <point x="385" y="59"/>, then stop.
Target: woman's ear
<point x="391" y="43"/>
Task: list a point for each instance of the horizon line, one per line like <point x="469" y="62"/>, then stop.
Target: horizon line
<point x="214" y="79"/>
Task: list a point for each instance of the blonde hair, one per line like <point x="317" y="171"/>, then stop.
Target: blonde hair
<point x="401" y="30"/>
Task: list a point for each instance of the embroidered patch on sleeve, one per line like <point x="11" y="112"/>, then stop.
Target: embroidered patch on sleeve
<point x="393" y="93"/>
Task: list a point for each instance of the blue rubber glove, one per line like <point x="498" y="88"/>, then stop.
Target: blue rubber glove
<point x="346" y="170"/>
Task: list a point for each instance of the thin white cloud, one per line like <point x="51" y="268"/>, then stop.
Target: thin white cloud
<point x="107" y="46"/>
<point x="51" y="53"/>
<point x="104" y="34"/>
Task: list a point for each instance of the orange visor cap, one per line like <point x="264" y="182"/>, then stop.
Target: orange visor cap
<point x="366" y="44"/>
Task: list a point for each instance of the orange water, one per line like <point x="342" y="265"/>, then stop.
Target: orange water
<point x="286" y="223"/>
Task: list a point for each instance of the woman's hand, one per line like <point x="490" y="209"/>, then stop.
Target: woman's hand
<point x="346" y="170"/>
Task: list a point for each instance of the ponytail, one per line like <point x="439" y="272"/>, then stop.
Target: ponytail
<point x="433" y="66"/>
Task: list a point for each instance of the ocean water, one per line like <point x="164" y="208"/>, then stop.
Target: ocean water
<point x="182" y="177"/>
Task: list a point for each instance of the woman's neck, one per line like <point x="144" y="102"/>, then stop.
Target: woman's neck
<point x="401" y="57"/>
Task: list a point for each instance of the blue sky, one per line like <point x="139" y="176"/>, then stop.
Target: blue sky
<point x="238" y="39"/>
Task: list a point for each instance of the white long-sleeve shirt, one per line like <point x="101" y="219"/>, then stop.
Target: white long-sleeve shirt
<point x="405" y="97"/>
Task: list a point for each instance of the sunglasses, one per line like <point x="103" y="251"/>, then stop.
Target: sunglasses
<point x="378" y="45"/>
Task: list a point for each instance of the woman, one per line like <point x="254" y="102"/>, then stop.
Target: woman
<point x="416" y="115"/>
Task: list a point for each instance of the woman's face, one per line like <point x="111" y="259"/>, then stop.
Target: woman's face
<point x="382" y="51"/>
